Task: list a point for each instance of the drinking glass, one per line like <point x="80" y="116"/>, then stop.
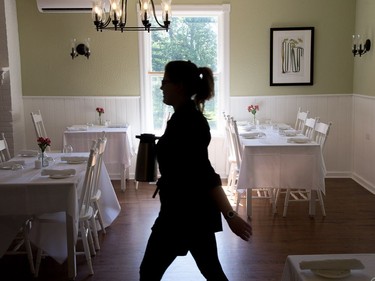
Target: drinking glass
<point x="17" y="170"/>
<point x="67" y="149"/>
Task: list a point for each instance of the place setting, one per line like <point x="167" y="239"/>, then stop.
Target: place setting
<point x="253" y="135"/>
<point x="332" y="268"/>
<point x="58" y="173"/>
<point x="11" y="164"/>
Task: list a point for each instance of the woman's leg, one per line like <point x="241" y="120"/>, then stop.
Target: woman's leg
<point x="204" y="251"/>
<point x="158" y="256"/>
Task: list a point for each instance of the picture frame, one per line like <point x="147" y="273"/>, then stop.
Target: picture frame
<point x="291" y="56"/>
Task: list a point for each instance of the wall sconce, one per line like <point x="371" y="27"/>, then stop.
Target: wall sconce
<point x="82" y="49"/>
<point x="358" y="47"/>
<point x="3" y="70"/>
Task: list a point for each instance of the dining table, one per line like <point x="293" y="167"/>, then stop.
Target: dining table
<point x="119" y="149"/>
<point x="26" y="193"/>
<point x="346" y="264"/>
<point x="278" y="157"/>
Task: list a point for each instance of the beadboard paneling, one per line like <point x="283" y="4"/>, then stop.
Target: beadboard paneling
<point x="364" y="141"/>
<point x="349" y="151"/>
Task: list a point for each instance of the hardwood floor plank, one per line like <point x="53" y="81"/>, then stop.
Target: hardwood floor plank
<point x="349" y="227"/>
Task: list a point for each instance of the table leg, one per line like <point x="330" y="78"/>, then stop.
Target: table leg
<point x="249" y="204"/>
<point x="72" y="270"/>
<point x="312" y="203"/>
<point x="124" y="172"/>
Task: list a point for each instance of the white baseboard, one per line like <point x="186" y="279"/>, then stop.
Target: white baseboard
<point x="370" y="187"/>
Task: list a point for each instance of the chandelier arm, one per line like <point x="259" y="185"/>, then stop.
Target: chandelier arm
<point x="155" y="17"/>
<point x="124" y="8"/>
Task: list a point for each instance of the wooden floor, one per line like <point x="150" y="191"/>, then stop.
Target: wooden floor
<point x="349" y="227"/>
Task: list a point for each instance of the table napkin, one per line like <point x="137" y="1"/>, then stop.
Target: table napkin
<point x="299" y="140"/>
<point x="283" y="127"/>
<point x="74" y="158"/>
<point x="11" y="163"/>
<point x="117" y="126"/>
<point x="77" y="128"/>
<point x="28" y="152"/>
<point x="332" y="264"/>
<point x="62" y="172"/>
<point x="289" y="133"/>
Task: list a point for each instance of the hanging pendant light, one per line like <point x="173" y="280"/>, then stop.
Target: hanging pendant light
<point x="116" y="18"/>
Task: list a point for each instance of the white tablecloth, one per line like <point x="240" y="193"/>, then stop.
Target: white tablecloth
<point x="273" y="162"/>
<point x="292" y="271"/>
<point x="119" y="149"/>
<point x="28" y="194"/>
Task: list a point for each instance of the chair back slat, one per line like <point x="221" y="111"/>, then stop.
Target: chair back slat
<point x="321" y="133"/>
<point x="4" y="150"/>
<point x="301" y="119"/>
<point x="101" y="145"/>
<point x="236" y="142"/>
<point x="228" y="137"/>
<point x="88" y="184"/>
<point x="309" y="127"/>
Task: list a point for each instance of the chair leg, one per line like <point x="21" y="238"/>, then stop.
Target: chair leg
<point x="90" y="239"/>
<point x="28" y="246"/>
<point x="99" y="216"/>
<point x="38" y="261"/>
<point x="85" y="232"/>
<point x="320" y="198"/>
<point x="273" y="200"/>
<point x="94" y="233"/>
<point x="286" y="202"/>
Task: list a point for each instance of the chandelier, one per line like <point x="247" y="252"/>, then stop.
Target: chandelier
<point x="118" y="13"/>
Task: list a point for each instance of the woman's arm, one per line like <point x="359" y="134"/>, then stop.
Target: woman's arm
<point x="235" y="222"/>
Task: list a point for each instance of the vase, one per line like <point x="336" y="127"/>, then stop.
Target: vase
<point x="100" y="120"/>
<point x="253" y="120"/>
<point x="43" y="158"/>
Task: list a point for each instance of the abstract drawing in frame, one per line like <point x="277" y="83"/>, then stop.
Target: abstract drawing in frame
<point x="292" y="54"/>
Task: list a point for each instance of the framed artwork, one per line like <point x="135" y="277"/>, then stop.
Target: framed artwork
<point x="292" y="56"/>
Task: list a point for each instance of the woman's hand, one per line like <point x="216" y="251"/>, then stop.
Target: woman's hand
<point x="240" y="227"/>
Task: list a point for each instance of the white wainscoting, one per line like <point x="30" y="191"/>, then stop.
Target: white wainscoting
<point x="364" y="141"/>
<point x="348" y="153"/>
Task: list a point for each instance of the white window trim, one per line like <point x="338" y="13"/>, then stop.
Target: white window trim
<point x="224" y="51"/>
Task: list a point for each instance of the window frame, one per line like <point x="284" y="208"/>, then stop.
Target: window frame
<point x="223" y="73"/>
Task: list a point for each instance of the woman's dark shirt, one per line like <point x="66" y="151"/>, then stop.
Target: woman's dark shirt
<point x="187" y="175"/>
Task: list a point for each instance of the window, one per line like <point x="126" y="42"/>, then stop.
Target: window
<point x="199" y="34"/>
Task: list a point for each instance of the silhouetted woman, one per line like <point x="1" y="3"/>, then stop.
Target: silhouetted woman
<point x="191" y="196"/>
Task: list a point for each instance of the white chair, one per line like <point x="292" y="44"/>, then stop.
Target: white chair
<point x="4" y="150"/>
<point x="256" y="193"/>
<point x="87" y="223"/>
<point x="37" y="119"/>
<point x="308" y="129"/>
<point x="301" y="119"/>
<point x="319" y="135"/>
<point x="40" y="130"/>
<point x="101" y="144"/>
<point x="232" y="173"/>
<point x="321" y="132"/>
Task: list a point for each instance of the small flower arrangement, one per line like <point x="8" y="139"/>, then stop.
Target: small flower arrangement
<point x="253" y="109"/>
<point x="100" y="110"/>
<point x="43" y="143"/>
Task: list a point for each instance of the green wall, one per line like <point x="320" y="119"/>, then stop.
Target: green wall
<point x="113" y="68"/>
<point x="364" y="70"/>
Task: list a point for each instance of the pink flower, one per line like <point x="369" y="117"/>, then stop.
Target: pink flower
<point x="43" y="143"/>
<point x="253" y="109"/>
<point x="100" y="110"/>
